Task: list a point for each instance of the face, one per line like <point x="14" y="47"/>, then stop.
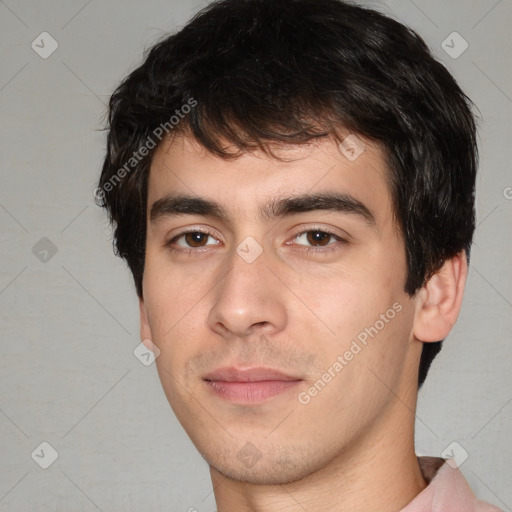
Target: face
<point x="283" y="326"/>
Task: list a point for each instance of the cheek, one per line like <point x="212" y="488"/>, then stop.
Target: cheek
<point x="171" y="292"/>
<point x="347" y="301"/>
<point x="368" y="314"/>
<point x="176" y="306"/>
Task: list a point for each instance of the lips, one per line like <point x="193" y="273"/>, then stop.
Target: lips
<point x="249" y="386"/>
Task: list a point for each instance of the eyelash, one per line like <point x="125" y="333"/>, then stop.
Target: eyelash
<point x="306" y="249"/>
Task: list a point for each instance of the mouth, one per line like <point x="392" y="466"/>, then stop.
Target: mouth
<point x="252" y="385"/>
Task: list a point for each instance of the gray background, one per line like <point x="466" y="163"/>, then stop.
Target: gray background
<point x="69" y="320"/>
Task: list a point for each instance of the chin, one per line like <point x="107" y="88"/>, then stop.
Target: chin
<point x="262" y="475"/>
<point x="279" y="470"/>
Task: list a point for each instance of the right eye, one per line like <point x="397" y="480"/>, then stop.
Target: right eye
<point x="192" y="239"/>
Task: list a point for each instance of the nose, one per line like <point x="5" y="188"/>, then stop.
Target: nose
<point x="249" y="300"/>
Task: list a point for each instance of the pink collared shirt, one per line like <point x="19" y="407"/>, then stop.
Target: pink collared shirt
<point x="448" y="490"/>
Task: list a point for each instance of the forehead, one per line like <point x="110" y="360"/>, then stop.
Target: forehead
<point x="246" y="183"/>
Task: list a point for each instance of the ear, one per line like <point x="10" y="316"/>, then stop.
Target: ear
<point x="439" y="300"/>
<point x="145" y="329"/>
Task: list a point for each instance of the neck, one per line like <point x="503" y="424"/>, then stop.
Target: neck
<point x="380" y="471"/>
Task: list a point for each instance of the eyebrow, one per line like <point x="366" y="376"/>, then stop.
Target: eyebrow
<point x="175" y="205"/>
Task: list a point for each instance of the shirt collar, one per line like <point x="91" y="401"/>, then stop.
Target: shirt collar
<point x="447" y="489"/>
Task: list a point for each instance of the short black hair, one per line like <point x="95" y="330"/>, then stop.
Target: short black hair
<point x="263" y="71"/>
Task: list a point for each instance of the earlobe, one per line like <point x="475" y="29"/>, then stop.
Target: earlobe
<point x="145" y="330"/>
<point x="440" y="299"/>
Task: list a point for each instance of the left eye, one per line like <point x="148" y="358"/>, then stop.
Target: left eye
<point x="316" y="237"/>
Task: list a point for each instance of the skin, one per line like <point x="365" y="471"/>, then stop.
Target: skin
<point x="351" y="447"/>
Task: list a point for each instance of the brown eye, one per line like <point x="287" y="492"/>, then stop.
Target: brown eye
<point x="319" y="238"/>
<point x="189" y="240"/>
<point x="316" y="237"/>
<point x="195" y="238"/>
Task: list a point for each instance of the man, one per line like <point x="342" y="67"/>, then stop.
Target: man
<point x="292" y="185"/>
